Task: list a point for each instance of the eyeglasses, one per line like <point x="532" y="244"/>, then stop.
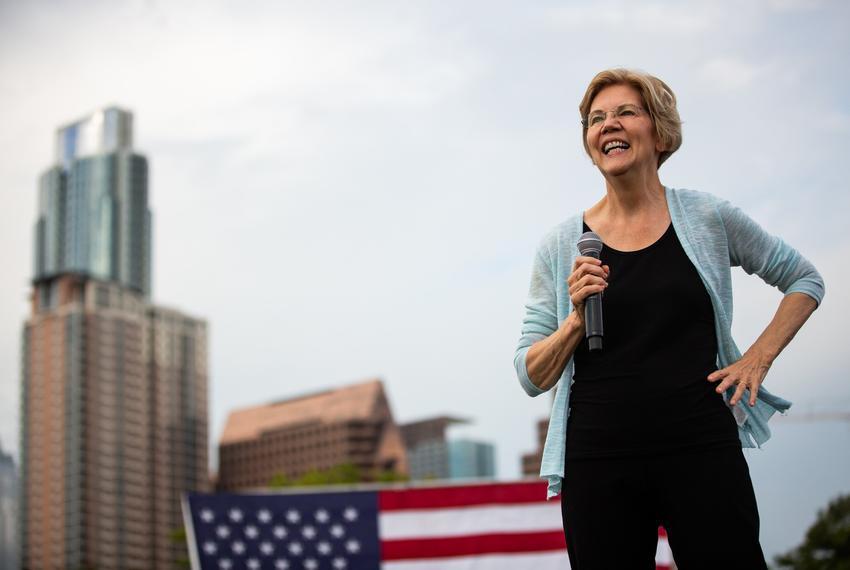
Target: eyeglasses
<point x="596" y="118"/>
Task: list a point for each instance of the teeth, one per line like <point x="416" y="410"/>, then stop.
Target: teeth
<point x="614" y="144"/>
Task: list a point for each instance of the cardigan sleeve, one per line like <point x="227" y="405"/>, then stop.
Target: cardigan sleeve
<point x="541" y="319"/>
<point x="766" y="255"/>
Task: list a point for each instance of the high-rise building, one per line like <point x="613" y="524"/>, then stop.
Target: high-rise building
<point x="433" y="456"/>
<point x="93" y="216"/>
<point x="427" y="448"/>
<point x="471" y="459"/>
<point x="531" y="461"/>
<point x="114" y="402"/>
<point x="351" y="425"/>
<point x="8" y="511"/>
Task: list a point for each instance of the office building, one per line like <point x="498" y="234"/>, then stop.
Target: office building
<point x="93" y="217"/>
<point x="315" y="432"/>
<point x="427" y="449"/>
<point x="114" y="388"/>
<point x="531" y="461"/>
<point x="8" y="511"/>
<point x="471" y="459"/>
<point x="432" y="455"/>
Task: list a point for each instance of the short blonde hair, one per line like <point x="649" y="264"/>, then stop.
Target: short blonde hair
<point x="658" y="98"/>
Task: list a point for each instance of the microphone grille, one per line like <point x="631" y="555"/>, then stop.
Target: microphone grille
<point x="590" y="244"/>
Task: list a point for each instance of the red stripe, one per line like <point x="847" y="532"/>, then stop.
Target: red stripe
<point x="462" y="496"/>
<point x="446" y="547"/>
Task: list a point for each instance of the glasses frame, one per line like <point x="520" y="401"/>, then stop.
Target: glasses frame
<point x="585" y="121"/>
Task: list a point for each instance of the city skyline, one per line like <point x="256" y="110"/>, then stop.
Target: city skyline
<point x="372" y="183"/>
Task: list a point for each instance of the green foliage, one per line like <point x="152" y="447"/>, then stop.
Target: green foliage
<point x="280" y="480"/>
<point x="344" y="474"/>
<point x="178" y="537"/>
<point x="341" y="474"/>
<point x="391" y="477"/>
<point x="827" y="542"/>
<point x="313" y="478"/>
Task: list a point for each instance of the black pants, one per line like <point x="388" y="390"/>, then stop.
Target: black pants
<point x="612" y="509"/>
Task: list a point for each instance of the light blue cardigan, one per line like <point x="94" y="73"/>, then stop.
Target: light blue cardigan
<point x="715" y="236"/>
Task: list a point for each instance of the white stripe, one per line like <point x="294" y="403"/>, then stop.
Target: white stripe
<point x="662" y="552"/>
<point x="543" y="561"/>
<point x="430" y="523"/>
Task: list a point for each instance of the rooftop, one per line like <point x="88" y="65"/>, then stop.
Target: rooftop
<point x="355" y="402"/>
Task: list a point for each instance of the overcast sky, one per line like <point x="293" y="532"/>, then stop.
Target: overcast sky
<point x="351" y="190"/>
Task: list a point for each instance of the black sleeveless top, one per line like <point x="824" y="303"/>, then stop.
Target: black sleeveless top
<point x="646" y="392"/>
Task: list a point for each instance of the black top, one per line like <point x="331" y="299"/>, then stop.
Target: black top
<point x="646" y="392"/>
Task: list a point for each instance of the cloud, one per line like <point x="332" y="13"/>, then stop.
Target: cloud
<point x="727" y="74"/>
<point x="832" y="121"/>
<point x="794" y="5"/>
<point x="601" y="18"/>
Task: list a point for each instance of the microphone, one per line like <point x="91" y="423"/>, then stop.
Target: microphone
<point x="590" y="245"/>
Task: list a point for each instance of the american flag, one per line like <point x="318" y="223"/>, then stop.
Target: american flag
<point x="489" y="526"/>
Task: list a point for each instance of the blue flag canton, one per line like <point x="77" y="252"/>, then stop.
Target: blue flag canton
<point x="317" y="531"/>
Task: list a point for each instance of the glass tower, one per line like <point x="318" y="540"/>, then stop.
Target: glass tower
<point x="93" y="218"/>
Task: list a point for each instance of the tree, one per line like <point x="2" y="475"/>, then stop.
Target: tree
<point x="827" y="542"/>
<point x="280" y="480"/>
<point x="178" y="537"/>
<point x="344" y="474"/>
<point x="390" y="476"/>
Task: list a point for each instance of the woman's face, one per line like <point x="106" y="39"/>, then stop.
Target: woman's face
<point x="626" y="138"/>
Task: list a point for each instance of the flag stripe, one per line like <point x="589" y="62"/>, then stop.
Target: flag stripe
<point x="663" y="555"/>
<point x="462" y="496"/>
<point x="470" y="520"/>
<point x="472" y="544"/>
<point x="539" y="561"/>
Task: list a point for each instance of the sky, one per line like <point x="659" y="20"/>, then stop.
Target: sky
<point x="356" y="190"/>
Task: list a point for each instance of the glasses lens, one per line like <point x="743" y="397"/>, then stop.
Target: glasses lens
<point x="595" y="119"/>
<point x="627" y="111"/>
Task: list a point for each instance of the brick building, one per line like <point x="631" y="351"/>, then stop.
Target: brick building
<point x="531" y="461"/>
<point x="349" y="425"/>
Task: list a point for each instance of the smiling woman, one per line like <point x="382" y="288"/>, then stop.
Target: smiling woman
<point x="648" y="432"/>
<point x="657" y="101"/>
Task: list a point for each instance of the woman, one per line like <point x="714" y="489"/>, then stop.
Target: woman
<point x="651" y="428"/>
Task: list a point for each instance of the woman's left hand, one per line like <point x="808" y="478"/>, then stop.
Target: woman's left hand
<point x="746" y="374"/>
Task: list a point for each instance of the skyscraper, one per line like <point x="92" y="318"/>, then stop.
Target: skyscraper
<point x="471" y="459"/>
<point x="93" y="215"/>
<point x="433" y="456"/>
<point x="8" y="511"/>
<point x="114" y="402"/>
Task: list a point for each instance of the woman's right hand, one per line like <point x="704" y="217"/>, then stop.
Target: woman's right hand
<point x="589" y="276"/>
<point x="547" y="358"/>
